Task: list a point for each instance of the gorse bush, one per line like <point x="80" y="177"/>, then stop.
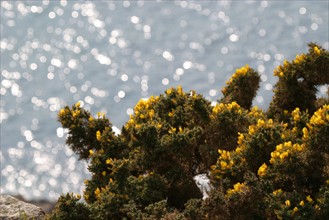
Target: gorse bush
<point x="261" y="164"/>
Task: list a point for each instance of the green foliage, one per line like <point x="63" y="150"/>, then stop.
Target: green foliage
<point x="298" y="80"/>
<point x="242" y="87"/>
<point x="261" y="165"/>
<point x="68" y="207"/>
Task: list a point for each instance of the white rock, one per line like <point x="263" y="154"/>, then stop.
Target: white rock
<point x="12" y="208"/>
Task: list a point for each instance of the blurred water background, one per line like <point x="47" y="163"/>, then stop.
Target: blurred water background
<point x="109" y="54"/>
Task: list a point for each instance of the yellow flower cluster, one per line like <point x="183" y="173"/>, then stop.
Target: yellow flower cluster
<point x="255" y="112"/>
<point x="252" y="129"/>
<point x="233" y="106"/>
<point x="98" y="135"/>
<point x="320" y="117"/>
<point x="240" y="138"/>
<point x="262" y="170"/>
<point x="278" y="71"/>
<point x="241" y="146"/>
<point x="296" y="115"/>
<point x="143" y="110"/>
<point x="77" y="111"/>
<point x="239" y="72"/>
<point x="101" y="115"/>
<point x="98" y="191"/>
<point x="224" y="162"/>
<point x="299" y="58"/>
<point x="237" y="188"/>
<point x="179" y="90"/>
<point x="285" y="150"/>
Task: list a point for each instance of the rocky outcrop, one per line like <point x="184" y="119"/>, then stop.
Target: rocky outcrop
<point x="46" y="205"/>
<point x="12" y="208"/>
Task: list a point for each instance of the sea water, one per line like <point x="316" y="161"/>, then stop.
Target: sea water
<point x="109" y="54"/>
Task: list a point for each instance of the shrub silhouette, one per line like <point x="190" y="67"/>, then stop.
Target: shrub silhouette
<point x="261" y="165"/>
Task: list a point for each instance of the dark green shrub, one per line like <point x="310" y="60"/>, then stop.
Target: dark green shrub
<point x="261" y="165"/>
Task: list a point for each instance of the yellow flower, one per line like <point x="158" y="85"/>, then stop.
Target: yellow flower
<point x="91" y="152"/>
<point x="169" y="91"/>
<point x="260" y="123"/>
<point x="223" y="165"/>
<point x="309" y="199"/>
<point x="237" y="188"/>
<point x="287" y="202"/>
<point x="302" y="203"/>
<point x="78" y="196"/>
<point x="262" y="170"/>
<point x="61" y="112"/>
<point x="276" y="192"/>
<point x="281" y="74"/>
<point x="316" y="50"/>
<point x="294" y="210"/>
<point x="296" y="114"/>
<point x="86" y="182"/>
<point x="171" y="114"/>
<point x="104" y="173"/>
<point x="109" y="161"/>
<point x="151" y="113"/>
<point x="90" y="118"/>
<point x="172" y="130"/>
<point x="97" y="191"/>
<point x="285" y="63"/>
<point x="284" y="155"/>
<point x="305" y="133"/>
<point x="224" y="154"/>
<point x="240" y="138"/>
<point x="75" y="113"/>
<point x="294" y="129"/>
<point x="279" y="147"/>
<point x="98" y="135"/>
<point x="77" y="104"/>
<point x="238" y="150"/>
<point x="251" y="130"/>
<point x="180" y="90"/>
<point x="299" y="58"/>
